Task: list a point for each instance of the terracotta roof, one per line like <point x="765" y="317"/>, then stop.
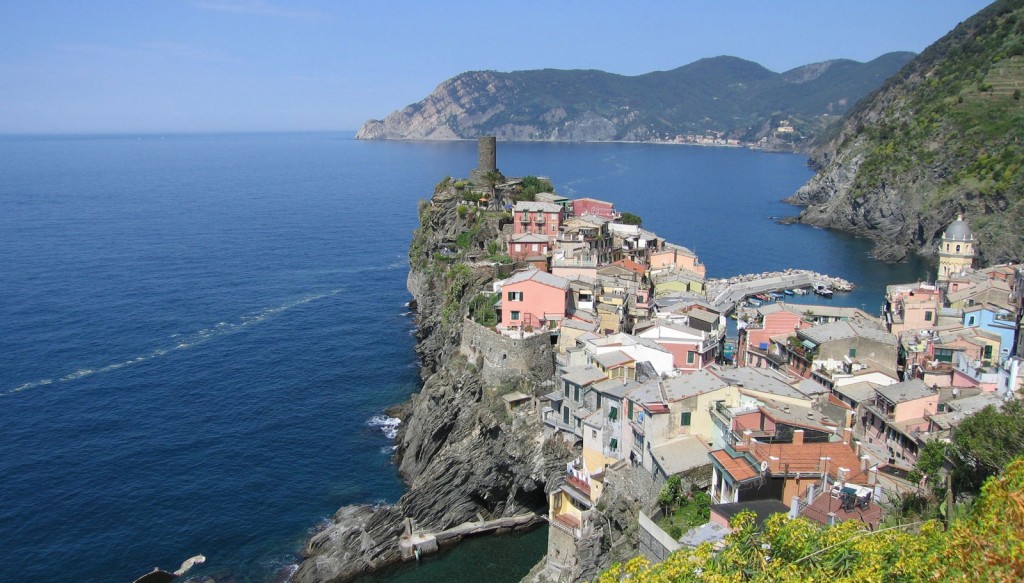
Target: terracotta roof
<point x="739" y="468"/>
<point x="631" y="265"/>
<point x="805" y="458"/>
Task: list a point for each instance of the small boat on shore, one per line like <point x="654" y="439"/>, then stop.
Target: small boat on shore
<point x="777" y="295"/>
<point x="754" y="302"/>
<point x="800" y="291"/>
<point x="788" y="292"/>
<point x="822" y="289"/>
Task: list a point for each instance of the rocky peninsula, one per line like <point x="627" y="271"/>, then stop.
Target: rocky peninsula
<point x="463" y="457"/>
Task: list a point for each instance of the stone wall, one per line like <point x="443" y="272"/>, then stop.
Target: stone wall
<point x="655" y="544"/>
<point x="501" y="359"/>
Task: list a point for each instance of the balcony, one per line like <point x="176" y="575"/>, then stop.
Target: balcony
<point x="776" y="358"/>
<point x="567" y="523"/>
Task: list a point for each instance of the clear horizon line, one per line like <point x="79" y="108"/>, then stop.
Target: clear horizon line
<point x="83" y="134"/>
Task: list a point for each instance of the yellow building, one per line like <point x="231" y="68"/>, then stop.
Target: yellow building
<point x="956" y="249"/>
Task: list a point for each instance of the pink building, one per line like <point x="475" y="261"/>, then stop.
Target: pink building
<point x="594" y="207"/>
<point x="911" y="307"/>
<point x="678" y="257"/>
<point x="898" y="414"/>
<point x="526" y="245"/>
<point x="775" y="320"/>
<point x="691" y="349"/>
<point x="534" y="299"/>
<point x="540" y="218"/>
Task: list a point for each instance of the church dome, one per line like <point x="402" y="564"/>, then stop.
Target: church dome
<point x="958" y="230"/>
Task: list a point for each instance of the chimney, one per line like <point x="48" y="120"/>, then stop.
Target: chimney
<point x="873" y="476"/>
<point x="847" y="436"/>
<point x="846" y="472"/>
<point x="747" y="436"/>
<point x="831" y="520"/>
<point x="810" y="494"/>
<point x="798" y="437"/>
<point x="856" y="448"/>
<point x="794" y="507"/>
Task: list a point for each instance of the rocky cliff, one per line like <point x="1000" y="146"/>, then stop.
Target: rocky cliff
<point x="737" y="98"/>
<point x="942" y="136"/>
<point x="463" y="456"/>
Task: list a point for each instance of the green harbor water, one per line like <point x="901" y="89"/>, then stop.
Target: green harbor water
<point x="497" y="559"/>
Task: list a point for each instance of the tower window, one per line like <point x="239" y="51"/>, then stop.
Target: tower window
<point x="957" y="248"/>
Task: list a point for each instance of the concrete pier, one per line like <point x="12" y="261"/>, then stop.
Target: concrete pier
<point x="725" y="294"/>
<point x="415" y="544"/>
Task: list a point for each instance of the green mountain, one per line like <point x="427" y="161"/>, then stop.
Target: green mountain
<point x="737" y="98"/>
<point x="941" y="137"/>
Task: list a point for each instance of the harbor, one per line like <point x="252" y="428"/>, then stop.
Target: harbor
<point x="728" y="294"/>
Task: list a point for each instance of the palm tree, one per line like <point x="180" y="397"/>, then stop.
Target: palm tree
<point x="492" y="178"/>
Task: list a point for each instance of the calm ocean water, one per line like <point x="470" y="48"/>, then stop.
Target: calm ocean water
<point x="195" y="331"/>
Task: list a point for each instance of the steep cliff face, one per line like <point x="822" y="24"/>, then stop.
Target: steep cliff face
<point x="723" y="94"/>
<point x="941" y="137"/>
<point x="461" y="454"/>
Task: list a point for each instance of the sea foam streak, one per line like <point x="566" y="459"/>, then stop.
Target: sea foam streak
<point x="182" y="342"/>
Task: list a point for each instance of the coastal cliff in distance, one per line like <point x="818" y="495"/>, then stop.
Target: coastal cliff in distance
<point x="463" y="456"/>
<point x="941" y="137"/>
<point x="726" y="96"/>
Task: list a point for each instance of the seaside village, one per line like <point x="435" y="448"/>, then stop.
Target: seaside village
<point x="810" y="410"/>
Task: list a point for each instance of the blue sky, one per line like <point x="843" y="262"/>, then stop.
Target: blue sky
<point x="277" y="65"/>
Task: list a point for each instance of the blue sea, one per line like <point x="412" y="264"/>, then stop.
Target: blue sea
<point x="199" y="334"/>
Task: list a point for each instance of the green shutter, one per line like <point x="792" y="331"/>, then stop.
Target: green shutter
<point x="629" y="410"/>
<point x="685" y="419"/>
<point x="614" y="444"/>
<point x="613" y="414"/>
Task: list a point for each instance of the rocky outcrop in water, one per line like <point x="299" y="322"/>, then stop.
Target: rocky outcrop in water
<point x="461" y="454"/>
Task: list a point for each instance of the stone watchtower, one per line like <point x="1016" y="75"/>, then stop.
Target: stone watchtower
<point x="487" y="159"/>
<point x="956" y="249"/>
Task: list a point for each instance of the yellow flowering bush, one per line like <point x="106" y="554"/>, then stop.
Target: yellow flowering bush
<point x="986" y="546"/>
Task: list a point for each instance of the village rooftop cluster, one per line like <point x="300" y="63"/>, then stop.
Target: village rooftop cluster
<point x="819" y="411"/>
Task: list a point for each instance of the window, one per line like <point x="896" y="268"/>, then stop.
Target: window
<point x="598" y="400"/>
<point x="515" y="296"/>
<point x="684" y="419"/>
<point x="566" y="388"/>
<point x="853" y="353"/>
<point x="576" y="394"/>
<point x="614" y="444"/>
<point x="519" y="247"/>
<point x="957" y="248"/>
<point x="533" y="247"/>
<point x="690" y="357"/>
<point x="629" y="409"/>
<point x="515" y="315"/>
<point x="927" y="315"/>
<point x="988" y="352"/>
<point x="613" y="414"/>
<point x="593" y="434"/>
